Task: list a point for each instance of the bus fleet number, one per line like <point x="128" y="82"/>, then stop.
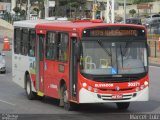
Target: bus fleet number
<point x="133" y="84"/>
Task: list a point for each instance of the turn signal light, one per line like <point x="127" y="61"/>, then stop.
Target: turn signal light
<point x="84" y="84"/>
<point x="146" y="83"/>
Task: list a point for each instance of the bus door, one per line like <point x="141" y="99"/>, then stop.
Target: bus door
<point x="40" y="64"/>
<point x="73" y="70"/>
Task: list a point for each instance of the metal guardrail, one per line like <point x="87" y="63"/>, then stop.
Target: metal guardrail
<point x="11" y="18"/>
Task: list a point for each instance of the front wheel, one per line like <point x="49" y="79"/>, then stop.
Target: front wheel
<point x="30" y="94"/>
<point x="123" y="105"/>
<point x="67" y="104"/>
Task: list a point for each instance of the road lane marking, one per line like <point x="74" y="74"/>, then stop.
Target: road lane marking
<point x="7" y="102"/>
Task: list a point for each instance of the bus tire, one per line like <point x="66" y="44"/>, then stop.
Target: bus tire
<point x="123" y="105"/>
<point x="69" y="106"/>
<point x="30" y="94"/>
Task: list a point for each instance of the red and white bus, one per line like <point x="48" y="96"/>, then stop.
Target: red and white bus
<point x="83" y="61"/>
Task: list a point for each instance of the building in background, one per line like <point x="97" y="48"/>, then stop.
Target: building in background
<point x="5" y="6"/>
<point x="86" y="12"/>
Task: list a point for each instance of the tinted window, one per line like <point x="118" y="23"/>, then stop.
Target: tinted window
<point x="24" y="42"/>
<point x="17" y="39"/>
<point x="31" y="44"/>
<point x="41" y="46"/>
<point x="51" y="46"/>
<point x="63" y="47"/>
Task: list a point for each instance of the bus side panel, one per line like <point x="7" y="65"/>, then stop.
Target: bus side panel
<point x="19" y="68"/>
<point x="32" y="70"/>
<point x="61" y="73"/>
<point x="50" y="88"/>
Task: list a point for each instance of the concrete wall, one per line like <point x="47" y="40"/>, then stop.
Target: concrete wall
<point x="6" y="25"/>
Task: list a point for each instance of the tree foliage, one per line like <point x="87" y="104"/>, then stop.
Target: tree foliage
<point x="63" y="5"/>
<point x="132" y="12"/>
<point x="5" y="1"/>
<point x="141" y="1"/>
<point x="16" y="10"/>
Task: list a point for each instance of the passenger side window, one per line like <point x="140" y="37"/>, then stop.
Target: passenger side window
<point x="63" y="47"/>
<point x="51" y="46"/>
<point x="24" y="42"/>
<point x="32" y="42"/>
<point x="17" y="39"/>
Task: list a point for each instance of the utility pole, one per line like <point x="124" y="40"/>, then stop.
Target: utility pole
<point x="94" y="9"/>
<point x="124" y="11"/>
<point x="46" y="8"/>
<point x="110" y="11"/>
<point x="13" y="5"/>
<point x="28" y="10"/>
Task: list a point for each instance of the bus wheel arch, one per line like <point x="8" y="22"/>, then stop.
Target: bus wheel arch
<point x="64" y="98"/>
<point x="25" y="79"/>
<point x="60" y="88"/>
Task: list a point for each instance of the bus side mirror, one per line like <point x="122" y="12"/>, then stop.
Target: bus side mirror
<point x="148" y="50"/>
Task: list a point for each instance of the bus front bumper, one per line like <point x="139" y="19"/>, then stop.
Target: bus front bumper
<point x="86" y="96"/>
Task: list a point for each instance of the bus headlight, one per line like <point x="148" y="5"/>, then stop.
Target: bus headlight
<point x="84" y="84"/>
<point x="146" y="83"/>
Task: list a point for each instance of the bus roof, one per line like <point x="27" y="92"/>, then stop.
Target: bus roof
<point x="32" y="23"/>
<point x="75" y="25"/>
<point x="28" y="23"/>
<point x="65" y="25"/>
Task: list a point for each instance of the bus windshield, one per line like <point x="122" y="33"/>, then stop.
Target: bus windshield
<point x="101" y="57"/>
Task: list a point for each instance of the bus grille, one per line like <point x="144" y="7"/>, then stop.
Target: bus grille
<point x="109" y="97"/>
<point x="124" y="89"/>
<point x="118" y="79"/>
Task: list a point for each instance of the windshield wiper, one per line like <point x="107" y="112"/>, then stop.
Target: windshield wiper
<point x="123" y="51"/>
<point x="100" y="43"/>
<point x="121" y="55"/>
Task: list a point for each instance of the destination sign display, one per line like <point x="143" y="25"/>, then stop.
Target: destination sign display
<point x="114" y="32"/>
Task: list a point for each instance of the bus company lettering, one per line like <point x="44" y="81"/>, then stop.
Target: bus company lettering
<point x="53" y="86"/>
<point x="103" y="85"/>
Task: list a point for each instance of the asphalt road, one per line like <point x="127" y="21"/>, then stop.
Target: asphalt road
<point x="13" y="101"/>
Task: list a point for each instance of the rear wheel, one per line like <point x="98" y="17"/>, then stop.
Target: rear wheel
<point x="123" y="105"/>
<point x="30" y="94"/>
<point x="3" y="72"/>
